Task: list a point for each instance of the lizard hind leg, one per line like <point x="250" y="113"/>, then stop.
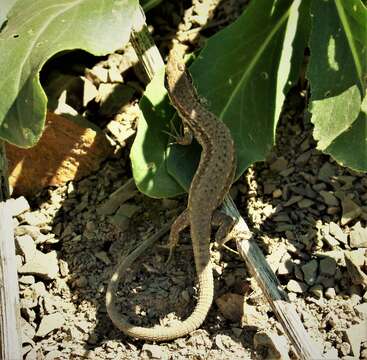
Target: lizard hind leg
<point x="225" y="225"/>
<point x="180" y="224"/>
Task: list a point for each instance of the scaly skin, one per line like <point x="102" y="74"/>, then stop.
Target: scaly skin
<point x="210" y="184"/>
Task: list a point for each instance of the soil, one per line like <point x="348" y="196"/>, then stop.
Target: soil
<point x="309" y="215"/>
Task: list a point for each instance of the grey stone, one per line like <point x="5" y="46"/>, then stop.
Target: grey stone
<point x="362" y="309"/>
<point x="330" y="293"/>
<point x="354" y="337"/>
<point x="326" y="171"/>
<point x="279" y="164"/>
<point x="49" y="323"/>
<point x="17" y="206"/>
<point x="354" y="260"/>
<point x="351" y="211"/>
<point x="327" y="266"/>
<point x="338" y="233"/>
<point x="35" y="218"/>
<point x="26" y="246"/>
<point x="316" y="290"/>
<point x="296" y="286"/>
<point x="276" y="345"/>
<point x="153" y="351"/>
<point x="358" y="236"/>
<point x="310" y="272"/>
<point x="42" y="265"/>
<point x="329" y="198"/>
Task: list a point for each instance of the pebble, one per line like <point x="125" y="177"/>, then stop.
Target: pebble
<point x="305" y="203"/>
<point x="26" y="246"/>
<point x="154" y="351"/>
<point x="231" y="306"/>
<point x="42" y="265"/>
<point x="17" y="206"/>
<point x="49" y="323"/>
<point x="358" y="236"/>
<point x="329" y="198"/>
<point x="355" y="335"/>
<point x="316" y="290"/>
<point x="330" y="293"/>
<point x="362" y="309"/>
<point x="296" y="286"/>
<point x="276" y="345"/>
<point x="338" y="233"/>
<point x="326" y="171"/>
<point x="327" y="266"/>
<point x="279" y="164"/>
<point x="310" y="272"/>
<point x="351" y="211"/>
<point x="353" y="260"/>
<point x="277" y="193"/>
<point x="26" y="280"/>
<point x="35" y="218"/>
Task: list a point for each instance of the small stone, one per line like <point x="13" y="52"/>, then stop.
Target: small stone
<point x="327" y="266"/>
<point x="294" y="199"/>
<point x="28" y="330"/>
<point x="17" y="206"/>
<point x="49" y="323"/>
<point x="354" y="260"/>
<point x="362" y="309"/>
<point x="35" y="218"/>
<point x="81" y="282"/>
<point x="102" y="255"/>
<point x="358" y="236"/>
<point x="296" y="286"/>
<point x="305" y="203"/>
<point x="169" y="204"/>
<point x="354" y="336"/>
<point x="279" y="164"/>
<point x="351" y="211"/>
<point x="316" y="290"/>
<point x="330" y="293"/>
<point x="43" y="265"/>
<point x="64" y="268"/>
<point x="231" y="306"/>
<point x="25" y="246"/>
<point x="277" y="193"/>
<point x="286" y="267"/>
<point x="310" y="272"/>
<point x="338" y="233"/>
<point x="33" y="231"/>
<point x="326" y="171"/>
<point x="329" y="198"/>
<point x="54" y="354"/>
<point x="330" y="240"/>
<point x="153" y="351"/>
<point x="277" y="346"/>
<point x="39" y="289"/>
<point x="26" y="280"/>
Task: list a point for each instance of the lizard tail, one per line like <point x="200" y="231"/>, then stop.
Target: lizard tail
<point x="161" y="333"/>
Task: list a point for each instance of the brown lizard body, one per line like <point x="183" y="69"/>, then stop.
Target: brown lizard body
<point x="210" y="184"/>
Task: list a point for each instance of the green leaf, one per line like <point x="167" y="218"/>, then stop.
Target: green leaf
<point x="243" y="72"/>
<point x="338" y="77"/>
<point x="150" y="149"/>
<point x="6" y="5"/>
<point x="35" y="31"/>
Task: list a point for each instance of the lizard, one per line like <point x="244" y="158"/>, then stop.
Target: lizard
<point x="211" y="182"/>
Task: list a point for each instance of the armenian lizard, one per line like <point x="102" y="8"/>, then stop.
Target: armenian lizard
<point x="210" y="184"/>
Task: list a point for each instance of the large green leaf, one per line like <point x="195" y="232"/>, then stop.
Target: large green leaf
<point x="6" y="5"/>
<point x="338" y="77"/>
<point x="243" y="73"/>
<point x="34" y="32"/>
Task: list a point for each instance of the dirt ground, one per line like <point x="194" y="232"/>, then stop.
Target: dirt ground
<point x="308" y="213"/>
